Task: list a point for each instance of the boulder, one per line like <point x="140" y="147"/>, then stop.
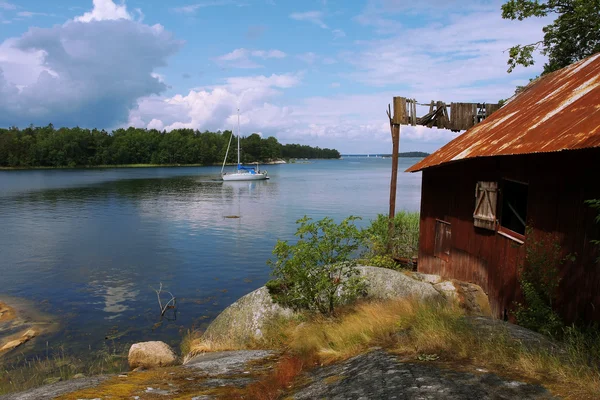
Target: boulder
<point x="151" y="354"/>
<point x="246" y="318"/>
<point x="384" y="283"/>
<point x="469" y="296"/>
<point x="429" y="278"/>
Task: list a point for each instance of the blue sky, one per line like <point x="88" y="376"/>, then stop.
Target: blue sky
<point x="317" y="72"/>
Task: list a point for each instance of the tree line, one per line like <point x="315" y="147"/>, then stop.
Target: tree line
<point x="72" y="147"/>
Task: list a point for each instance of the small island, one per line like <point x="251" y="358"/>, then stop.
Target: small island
<point x="48" y="147"/>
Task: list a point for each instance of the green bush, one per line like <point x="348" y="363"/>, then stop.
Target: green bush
<point x="595" y="204"/>
<point x="317" y="273"/>
<point x="539" y="279"/>
<point x="403" y="243"/>
<point x="383" y="261"/>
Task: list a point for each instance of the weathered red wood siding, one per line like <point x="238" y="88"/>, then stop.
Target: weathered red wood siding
<point x="559" y="183"/>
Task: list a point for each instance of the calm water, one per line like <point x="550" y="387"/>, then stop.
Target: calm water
<point x="87" y="246"/>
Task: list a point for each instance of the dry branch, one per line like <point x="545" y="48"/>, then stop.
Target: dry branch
<point x="168" y="305"/>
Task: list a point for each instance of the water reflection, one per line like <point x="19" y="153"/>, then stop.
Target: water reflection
<point x="116" y="296"/>
<point x="92" y="244"/>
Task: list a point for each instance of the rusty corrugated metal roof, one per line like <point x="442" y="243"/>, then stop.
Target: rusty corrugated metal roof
<point x="560" y="111"/>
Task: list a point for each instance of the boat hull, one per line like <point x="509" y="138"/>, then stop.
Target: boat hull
<point x="244" y="177"/>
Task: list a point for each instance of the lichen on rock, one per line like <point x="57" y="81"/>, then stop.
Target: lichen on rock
<point x="246" y="318"/>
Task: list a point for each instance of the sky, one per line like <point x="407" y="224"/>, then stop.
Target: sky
<point x="316" y="72"/>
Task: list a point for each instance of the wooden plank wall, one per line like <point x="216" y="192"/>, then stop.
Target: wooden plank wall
<point x="559" y="183"/>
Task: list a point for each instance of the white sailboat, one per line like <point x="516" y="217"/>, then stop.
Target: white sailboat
<point x="242" y="173"/>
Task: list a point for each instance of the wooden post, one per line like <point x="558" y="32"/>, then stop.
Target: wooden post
<point x="398" y="118"/>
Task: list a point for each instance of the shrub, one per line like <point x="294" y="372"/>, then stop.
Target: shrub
<point x="539" y="279"/>
<point x="595" y="204"/>
<point x="317" y="273"/>
<point x="403" y="243"/>
<point x="383" y="261"/>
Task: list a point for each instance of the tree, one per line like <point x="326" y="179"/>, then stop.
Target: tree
<point x="572" y="36"/>
<point x="50" y="147"/>
<point x="317" y="273"/>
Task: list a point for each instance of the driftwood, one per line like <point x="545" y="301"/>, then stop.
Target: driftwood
<point x="168" y="305"/>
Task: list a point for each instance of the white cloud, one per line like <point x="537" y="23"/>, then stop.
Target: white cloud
<point x="105" y="10"/>
<point x="140" y="14"/>
<point x="7" y="6"/>
<point x="308" y="58"/>
<point x="156" y="124"/>
<point x="29" y="14"/>
<point x="314" y="17"/>
<point x="192" y="8"/>
<point x="68" y="74"/>
<point x="471" y="53"/>
<point x="351" y="123"/>
<point x="338" y="33"/>
<point x="242" y="58"/>
<point x="268" y="54"/>
<point x="215" y="107"/>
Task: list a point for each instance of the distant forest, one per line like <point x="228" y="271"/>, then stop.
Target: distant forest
<point x="412" y="154"/>
<point x="73" y="147"/>
<point x="401" y="154"/>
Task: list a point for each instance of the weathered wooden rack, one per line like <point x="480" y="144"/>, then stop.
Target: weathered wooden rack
<point x="462" y="115"/>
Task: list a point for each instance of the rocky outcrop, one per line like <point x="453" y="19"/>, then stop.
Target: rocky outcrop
<point x="226" y="362"/>
<point x="19" y="340"/>
<point x="151" y="355"/>
<point x="52" y="391"/>
<point x="381" y="375"/>
<point x="469" y="296"/>
<point x="21" y="323"/>
<point x="384" y="283"/>
<point x="246" y="318"/>
<point x="7" y="313"/>
<point x="429" y="278"/>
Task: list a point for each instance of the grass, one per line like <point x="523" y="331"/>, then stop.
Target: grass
<point x="20" y="374"/>
<point x="427" y="332"/>
<point x="381" y="248"/>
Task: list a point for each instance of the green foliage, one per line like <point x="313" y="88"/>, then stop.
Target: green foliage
<point x="304" y="151"/>
<point x="595" y="204"/>
<point x="404" y="241"/>
<point x="71" y="147"/>
<point x="409" y="154"/>
<point x="573" y="35"/>
<point x="317" y="273"/>
<point x="382" y="261"/>
<point x="539" y="279"/>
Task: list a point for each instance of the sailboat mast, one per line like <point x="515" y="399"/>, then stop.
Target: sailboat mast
<point x="227" y="152"/>
<point x="238" y="138"/>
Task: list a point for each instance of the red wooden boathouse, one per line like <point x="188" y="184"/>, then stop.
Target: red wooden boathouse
<point x="534" y="162"/>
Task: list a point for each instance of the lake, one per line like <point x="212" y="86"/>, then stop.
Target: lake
<point x="88" y="246"/>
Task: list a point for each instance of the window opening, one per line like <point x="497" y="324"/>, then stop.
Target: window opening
<point x="514" y="206"/>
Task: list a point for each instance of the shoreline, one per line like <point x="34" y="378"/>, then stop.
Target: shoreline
<point x="84" y="167"/>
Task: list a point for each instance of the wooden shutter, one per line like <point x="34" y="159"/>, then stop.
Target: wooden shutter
<point x="443" y="240"/>
<point x="486" y="195"/>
